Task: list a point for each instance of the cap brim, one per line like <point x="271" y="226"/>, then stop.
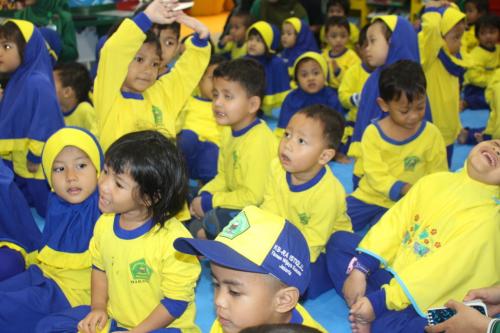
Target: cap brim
<point x="217" y="252"/>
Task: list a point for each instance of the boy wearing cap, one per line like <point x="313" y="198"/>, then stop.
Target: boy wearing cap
<point x="256" y="285"/>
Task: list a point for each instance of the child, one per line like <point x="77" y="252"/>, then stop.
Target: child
<point x="262" y="41"/>
<point x="58" y="275"/>
<point x="269" y="277"/>
<point x="139" y="281"/>
<point x="474" y="9"/>
<point x="127" y="96"/>
<point x="296" y="39"/>
<point x="280" y="328"/>
<point x="234" y="45"/>
<point x="396" y="150"/>
<point x="422" y="235"/>
<point x="29" y="112"/>
<point x="199" y="139"/>
<point x="485" y="59"/>
<point x="246" y="150"/>
<point x="340" y="8"/>
<point x="168" y="36"/>
<point x="310" y="71"/>
<point x="338" y="56"/>
<point x="302" y="189"/>
<point x="351" y="86"/>
<point x="73" y="83"/>
<point x="439" y="43"/>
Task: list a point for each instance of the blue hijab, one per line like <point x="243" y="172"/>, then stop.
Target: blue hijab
<point x="29" y="107"/>
<point x="305" y="41"/>
<point x="403" y="45"/>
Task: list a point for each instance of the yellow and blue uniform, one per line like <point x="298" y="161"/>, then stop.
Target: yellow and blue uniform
<point x="83" y="115"/>
<point x="442" y="71"/>
<point x="233" y="50"/>
<point x="493" y="97"/>
<point x="277" y="78"/>
<point x="469" y="40"/>
<point x="345" y="60"/>
<point x="28" y="120"/>
<point x="483" y="62"/>
<point x="353" y="36"/>
<point x="59" y="276"/>
<point x="418" y="240"/>
<point x="388" y="165"/>
<point x="300" y="316"/>
<point x="199" y="139"/>
<point x="317" y="208"/>
<point x="119" y="113"/>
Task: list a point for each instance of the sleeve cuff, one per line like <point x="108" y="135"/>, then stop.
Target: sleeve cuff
<point x="377" y="298"/>
<point x="33" y="158"/>
<point x="371" y="263"/>
<point x="143" y="22"/>
<point x="199" y="42"/>
<point x="175" y="308"/>
<point x="395" y="192"/>
<point x="439" y="10"/>
<point x="206" y="201"/>
<point x="487" y="137"/>
<point x="97" y="268"/>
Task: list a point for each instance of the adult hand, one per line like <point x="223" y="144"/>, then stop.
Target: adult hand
<point x="466" y="320"/>
<point x="490" y="296"/>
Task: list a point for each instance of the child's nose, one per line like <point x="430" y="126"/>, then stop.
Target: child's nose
<point x="220" y="300"/>
<point x="70" y="175"/>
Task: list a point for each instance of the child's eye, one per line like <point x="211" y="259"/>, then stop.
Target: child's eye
<point x="81" y="165"/>
<point x="215" y="284"/>
<point x="156" y="64"/>
<point x="228" y="97"/>
<point x="302" y="141"/>
<point x="58" y="169"/>
<point x="214" y="94"/>
<point x="169" y="43"/>
<point x="139" y="59"/>
<point x="7" y="46"/>
<point x="234" y="293"/>
<point x="118" y="185"/>
<point x="286" y="135"/>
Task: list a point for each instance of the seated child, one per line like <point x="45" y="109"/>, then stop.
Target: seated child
<point x="271" y="276"/>
<point x="302" y="188"/>
<point x="338" y="56"/>
<point x="390" y="284"/>
<point x="127" y="95"/>
<point x="280" y="328"/>
<point x="139" y="282"/>
<point x="234" y="44"/>
<point x="58" y="275"/>
<point x="73" y="83"/>
<point x="310" y="72"/>
<point x="296" y="39"/>
<point x="199" y="139"/>
<point x="439" y="43"/>
<point x="246" y="150"/>
<point x="351" y="86"/>
<point x="340" y="8"/>
<point x="474" y="9"/>
<point x="396" y="150"/>
<point x="485" y="59"/>
<point x="262" y="42"/>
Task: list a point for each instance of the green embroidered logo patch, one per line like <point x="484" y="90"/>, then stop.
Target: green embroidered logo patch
<point x="140" y="270"/>
<point x="238" y="225"/>
<point x="304" y="218"/>
<point x="235" y="159"/>
<point x="411" y="162"/>
<point x="157" y="115"/>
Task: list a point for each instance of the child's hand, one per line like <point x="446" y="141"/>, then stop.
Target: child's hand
<point x="437" y="3"/>
<point x="361" y="313"/>
<point x="95" y="320"/>
<point x="195" y="209"/>
<point x="479" y="137"/>
<point x="226" y="39"/>
<point x="490" y="296"/>
<point x="162" y="11"/>
<point x="194" y="24"/>
<point x="405" y="188"/>
<point x="354" y="287"/>
<point x="466" y="320"/>
<point x="32" y="167"/>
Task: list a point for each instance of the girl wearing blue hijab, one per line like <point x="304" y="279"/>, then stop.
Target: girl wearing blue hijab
<point x="296" y="39"/>
<point x="29" y="111"/>
<point x="59" y="275"/>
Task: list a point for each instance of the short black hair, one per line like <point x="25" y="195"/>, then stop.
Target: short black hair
<point x="157" y="166"/>
<point x="487" y="21"/>
<point x="152" y="38"/>
<point x="174" y="26"/>
<point x="77" y="77"/>
<point x="248" y="19"/>
<point x="481" y="5"/>
<point x="362" y="39"/>
<point x="216" y="59"/>
<point x="332" y="121"/>
<point x="387" y="31"/>
<point x="248" y="72"/>
<point x="255" y="32"/>
<point x="402" y="77"/>
<point x="337" y="21"/>
<point x="280" y="328"/>
<point x="345" y="4"/>
<point x="11" y="32"/>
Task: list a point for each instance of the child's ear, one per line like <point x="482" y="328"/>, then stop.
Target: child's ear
<point x="326" y="156"/>
<point x="255" y="103"/>
<point x="383" y="104"/>
<point x="286" y="299"/>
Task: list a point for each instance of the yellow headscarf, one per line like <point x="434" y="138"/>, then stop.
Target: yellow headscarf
<point x="267" y="33"/>
<point x="25" y="27"/>
<point x="315" y="56"/>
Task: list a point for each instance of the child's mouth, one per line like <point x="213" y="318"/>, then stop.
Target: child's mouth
<point x="74" y="190"/>
<point x="491" y="158"/>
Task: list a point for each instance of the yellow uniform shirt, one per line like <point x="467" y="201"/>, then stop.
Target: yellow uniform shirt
<point x="233" y="49"/>
<point x="143" y="268"/>
<point x="317" y="208"/>
<point x="439" y="241"/>
<point x="82" y="116"/>
<point x="299" y="316"/>
<point x="346" y="60"/>
<point x="492" y="94"/>
<point x="244" y="160"/>
<point x="198" y="117"/>
<point x="469" y="40"/>
<point x="388" y="163"/>
<point x="483" y="65"/>
<point x="119" y="113"/>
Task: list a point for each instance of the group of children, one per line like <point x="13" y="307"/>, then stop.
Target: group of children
<point x="109" y="172"/>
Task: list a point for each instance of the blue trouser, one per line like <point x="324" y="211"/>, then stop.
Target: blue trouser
<point x="67" y="322"/>
<point x="449" y="154"/>
<point x="340" y="249"/>
<point x="12" y="263"/>
<point x="474" y="97"/>
<point x="201" y="156"/>
<point x="363" y="214"/>
<point x="320" y="279"/>
<point x="27" y="298"/>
